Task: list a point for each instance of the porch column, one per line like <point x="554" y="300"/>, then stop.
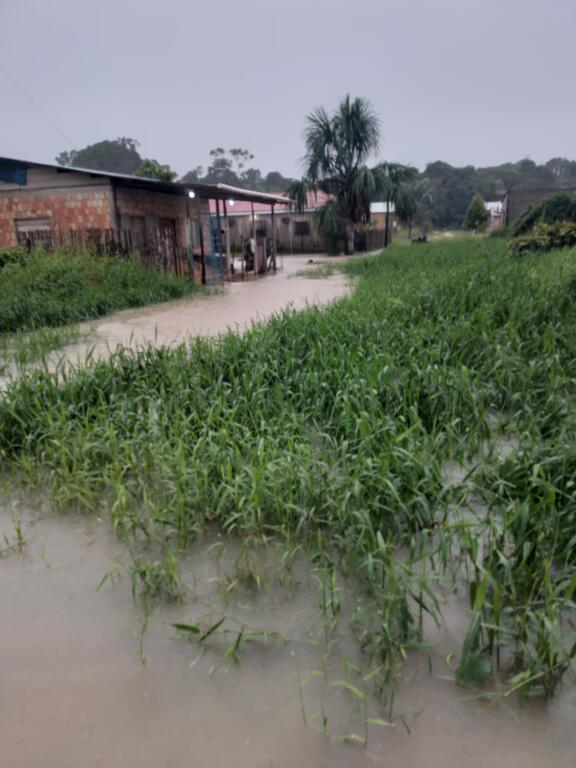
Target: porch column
<point x="228" y="251"/>
<point x="273" y="237"/>
<point x="219" y="225"/>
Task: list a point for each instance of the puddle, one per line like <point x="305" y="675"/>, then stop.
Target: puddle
<point x="74" y="692"/>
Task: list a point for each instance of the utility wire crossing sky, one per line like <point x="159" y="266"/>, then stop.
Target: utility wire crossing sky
<point x="453" y="80"/>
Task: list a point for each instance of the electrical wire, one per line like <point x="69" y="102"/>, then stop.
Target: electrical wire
<point x="38" y="107"/>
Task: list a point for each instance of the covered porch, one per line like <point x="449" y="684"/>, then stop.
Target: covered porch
<point x="257" y="254"/>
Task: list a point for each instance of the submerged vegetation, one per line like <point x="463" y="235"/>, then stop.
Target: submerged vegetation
<point x="328" y="431"/>
<point x="69" y="285"/>
<point x="17" y="350"/>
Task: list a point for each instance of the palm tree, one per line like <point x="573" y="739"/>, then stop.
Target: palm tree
<point x="337" y="148"/>
<point x="396" y="177"/>
<point x="407" y="209"/>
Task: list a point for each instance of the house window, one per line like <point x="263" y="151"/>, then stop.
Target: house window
<point x="301" y="228"/>
<point x="32" y="232"/>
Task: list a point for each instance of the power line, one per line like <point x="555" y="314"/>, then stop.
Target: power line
<point x="38" y="107"/>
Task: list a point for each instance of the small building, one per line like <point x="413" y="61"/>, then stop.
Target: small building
<point x="517" y="200"/>
<point x="167" y="223"/>
<point x="295" y="231"/>
<point x="495" y="210"/>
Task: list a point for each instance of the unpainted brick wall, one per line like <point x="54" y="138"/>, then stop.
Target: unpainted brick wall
<point x="79" y="209"/>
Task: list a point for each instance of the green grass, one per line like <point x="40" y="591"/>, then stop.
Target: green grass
<point x="328" y="430"/>
<point x="17" y="350"/>
<point x="319" y="272"/>
<point x="68" y="285"/>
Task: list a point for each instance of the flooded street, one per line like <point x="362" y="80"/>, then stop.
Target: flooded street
<point x="234" y="307"/>
<point x="74" y="692"/>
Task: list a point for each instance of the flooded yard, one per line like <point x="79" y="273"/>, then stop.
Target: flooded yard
<point x="75" y="690"/>
<point x="235" y="306"/>
<point x="350" y="511"/>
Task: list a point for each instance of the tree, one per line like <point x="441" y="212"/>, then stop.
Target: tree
<point x="407" y="210"/>
<point x="229" y="167"/>
<point x="240" y="157"/>
<point x="563" y="171"/>
<point x="252" y="178"/>
<point x="195" y="176"/>
<point x="337" y="148"/>
<point x="152" y="169"/>
<point x="476" y="216"/>
<point x="276" y="182"/>
<point x="396" y="177"/>
<point x="116" y="156"/>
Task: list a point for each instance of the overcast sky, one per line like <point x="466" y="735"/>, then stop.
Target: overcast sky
<point x="464" y="81"/>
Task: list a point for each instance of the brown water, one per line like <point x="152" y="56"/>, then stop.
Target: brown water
<point x="74" y="692"/>
<point x="235" y="307"/>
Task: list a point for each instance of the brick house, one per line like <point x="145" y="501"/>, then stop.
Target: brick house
<point x="167" y="223"/>
<point x="517" y="200"/>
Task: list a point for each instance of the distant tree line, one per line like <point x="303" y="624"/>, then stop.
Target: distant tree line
<point x="232" y="166"/>
<point x="445" y="192"/>
<point x="439" y="196"/>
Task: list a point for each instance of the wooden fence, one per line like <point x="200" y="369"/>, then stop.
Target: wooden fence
<point x="158" y="249"/>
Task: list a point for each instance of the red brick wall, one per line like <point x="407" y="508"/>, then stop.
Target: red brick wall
<point x="78" y="209"/>
<point x="139" y="202"/>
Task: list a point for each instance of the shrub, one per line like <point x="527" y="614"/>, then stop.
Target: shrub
<point x="69" y="285"/>
<point x="545" y="237"/>
<point x="556" y="208"/>
<point x="11" y="255"/>
<point x="502" y="233"/>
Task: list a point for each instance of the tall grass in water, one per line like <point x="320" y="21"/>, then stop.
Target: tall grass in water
<point x="329" y="428"/>
<point x="20" y="349"/>
<point x="68" y="285"/>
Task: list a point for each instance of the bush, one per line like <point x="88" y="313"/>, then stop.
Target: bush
<point x="554" y="209"/>
<point x="502" y="233"/>
<point x="69" y="285"/>
<point x="10" y="255"/>
<point x="545" y="237"/>
<point x="477" y="216"/>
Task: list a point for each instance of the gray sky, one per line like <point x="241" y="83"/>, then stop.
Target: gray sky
<point x="463" y="81"/>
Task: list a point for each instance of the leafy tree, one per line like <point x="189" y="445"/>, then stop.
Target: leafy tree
<point x="196" y="175"/>
<point x="116" y="156"/>
<point x="220" y="171"/>
<point x="152" y="169"/>
<point x="229" y="167"/>
<point x="476" y="216"/>
<point x="240" y="157"/>
<point x="276" y="182"/>
<point x="252" y="179"/>
<point x="563" y="171"/>
<point x="337" y="148"/>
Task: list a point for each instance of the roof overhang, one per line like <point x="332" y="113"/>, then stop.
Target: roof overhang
<point x="203" y="191"/>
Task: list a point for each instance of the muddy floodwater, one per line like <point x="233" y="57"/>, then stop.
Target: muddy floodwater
<point x="233" y="307"/>
<point x="76" y="692"/>
<point x="86" y="680"/>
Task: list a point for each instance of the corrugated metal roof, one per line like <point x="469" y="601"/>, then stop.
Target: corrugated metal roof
<point x="205" y="191"/>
